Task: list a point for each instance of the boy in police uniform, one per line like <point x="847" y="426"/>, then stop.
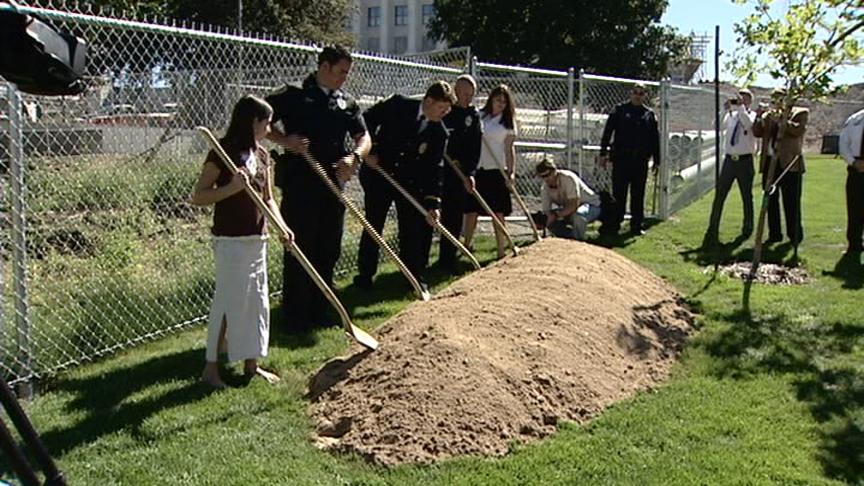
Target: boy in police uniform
<point x="466" y="137"/>
<point x="316" y="117"/>
<point x="409" y="143"/>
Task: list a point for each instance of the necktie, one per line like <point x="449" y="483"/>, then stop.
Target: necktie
<point x="421" y="124"/>
<point x="735" y="131"/>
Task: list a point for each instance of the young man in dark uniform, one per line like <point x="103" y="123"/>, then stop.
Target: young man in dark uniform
<point x="466" y="137"/>
<point x="636" y="139"/>
<point x="409" y="143"/>
<point x="316" y="117"/>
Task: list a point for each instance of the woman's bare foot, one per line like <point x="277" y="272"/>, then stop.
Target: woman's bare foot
<point x="210" y="376"/>
<point x="251" y="369"/>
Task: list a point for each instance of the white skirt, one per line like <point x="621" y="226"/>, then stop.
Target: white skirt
<point x="241" y="297"/>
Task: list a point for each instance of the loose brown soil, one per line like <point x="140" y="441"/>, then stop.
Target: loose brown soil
<point x="504" y="354"/>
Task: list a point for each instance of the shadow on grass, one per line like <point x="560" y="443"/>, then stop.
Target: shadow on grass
<point x="107" y="403"/>
<point x="849" y="269"/>
<point x="731" y="252"/>
<point x="832" y="387"/>
<point x="623" y="238"/>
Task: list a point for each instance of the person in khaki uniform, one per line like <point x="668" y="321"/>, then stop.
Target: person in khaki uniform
<point x="783" y="140"/>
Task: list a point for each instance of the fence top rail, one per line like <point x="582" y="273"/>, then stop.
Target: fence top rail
<point x="209" y="35"/>
<point x="522" y="69"/>
<point x="596" y="77"/>
<point x="684" y="87"/>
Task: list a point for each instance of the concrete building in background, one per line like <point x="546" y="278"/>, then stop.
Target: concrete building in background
<point x="393" y="26"/>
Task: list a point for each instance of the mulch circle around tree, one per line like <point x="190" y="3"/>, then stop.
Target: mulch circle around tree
<point x="767" y="273"/>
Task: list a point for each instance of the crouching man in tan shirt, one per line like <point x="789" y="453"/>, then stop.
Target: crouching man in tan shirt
<point x="568" y="203"/>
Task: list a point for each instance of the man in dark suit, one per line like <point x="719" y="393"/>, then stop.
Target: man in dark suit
<point x="316" y="117"/>
<point x="409" y="141"/>
<point x="466" y="137"/>
<point x="632" y="132"/>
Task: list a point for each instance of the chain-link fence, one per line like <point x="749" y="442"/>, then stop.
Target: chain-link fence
<point x="101" y="249"/>
<point x="543" y="100"/>
<point x="685" y="116"/>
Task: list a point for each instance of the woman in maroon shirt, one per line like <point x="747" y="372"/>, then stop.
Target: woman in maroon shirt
<point x="240" y="314"/>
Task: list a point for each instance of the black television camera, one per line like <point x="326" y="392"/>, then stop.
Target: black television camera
<point x="38" y="58"/>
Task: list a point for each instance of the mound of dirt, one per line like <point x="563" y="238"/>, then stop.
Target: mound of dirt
<point x="504" y="354"/>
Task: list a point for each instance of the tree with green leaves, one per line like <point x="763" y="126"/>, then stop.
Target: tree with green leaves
<point x="801" y="49"/>
<point x="615" y="37"/>
<point x="317" y="21"/>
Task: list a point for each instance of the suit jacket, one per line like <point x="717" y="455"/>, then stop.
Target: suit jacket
<point x="415" y="159"/>
<point x="787" y="141"/>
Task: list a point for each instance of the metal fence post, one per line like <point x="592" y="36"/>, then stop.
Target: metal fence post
<point x="581" y="122"/>
<point x="18" y="193"/>
<point x="570" y="131"/>
<point x="472" y="66"/>
<point x="665" y="172"/>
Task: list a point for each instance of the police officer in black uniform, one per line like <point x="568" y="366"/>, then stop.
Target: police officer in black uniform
<point x="317" y="117"/>
<point x="409" y="143"/>
<point x="466" y="136"/>
<point x="636" y="139"/>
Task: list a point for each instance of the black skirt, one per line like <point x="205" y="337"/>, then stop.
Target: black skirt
<point x="492" y="186"/>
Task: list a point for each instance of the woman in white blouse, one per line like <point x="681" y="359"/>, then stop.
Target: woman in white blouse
<point x="497" y="154"/>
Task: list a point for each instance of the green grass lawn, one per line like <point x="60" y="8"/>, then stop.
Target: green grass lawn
<point x="774" y="397"/>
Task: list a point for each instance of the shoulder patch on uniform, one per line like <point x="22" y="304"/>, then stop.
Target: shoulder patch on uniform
<point x="288" y="88"/>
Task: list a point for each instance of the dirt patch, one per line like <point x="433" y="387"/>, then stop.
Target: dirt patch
<point x="504" y="354"/>
<point x="768" y="273"/>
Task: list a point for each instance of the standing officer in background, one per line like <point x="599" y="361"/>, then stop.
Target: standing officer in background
<point x="463" y="147"/>
<point x="409" y="143"/>
<point x="783" y="139"/>
<point x="740" y="145"/>
<point x="316" y="117"/>
<point x="852" y="149"/>
<point x="636" y="139"/>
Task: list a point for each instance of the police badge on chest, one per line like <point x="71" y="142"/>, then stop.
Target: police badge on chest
<point x="421" y="149"/>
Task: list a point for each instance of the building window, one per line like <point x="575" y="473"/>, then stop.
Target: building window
<point x="428" y="13"/>
<point x="373" y="16"/>
<point x="400" y="45"/>
<point x="373" y="44"/>
<point x="400" y="15"/>
<point x="428" y="44"/>
<point x="348" y="24"/>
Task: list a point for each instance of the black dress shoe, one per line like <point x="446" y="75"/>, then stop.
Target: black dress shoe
<point x="608" y="231"/>
<point x="363" y="282"/>
<point x="637" y="232"/>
